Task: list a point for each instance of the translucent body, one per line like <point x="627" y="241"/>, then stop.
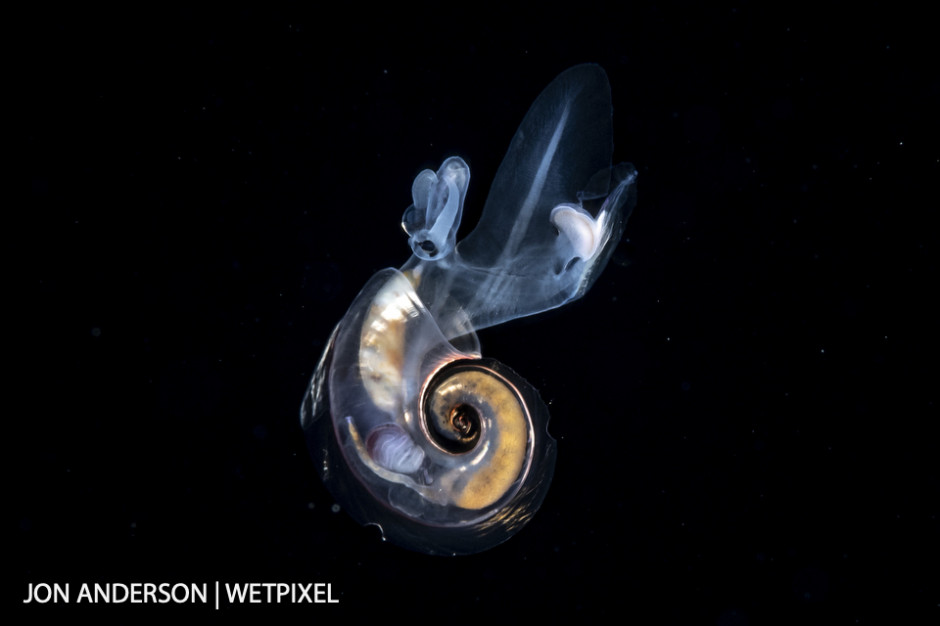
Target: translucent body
<point x="412" y="431"/>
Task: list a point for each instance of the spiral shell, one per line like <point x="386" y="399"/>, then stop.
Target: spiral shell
<point x="446" y="452"/>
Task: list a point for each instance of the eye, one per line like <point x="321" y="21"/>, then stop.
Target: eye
<point x="429" y="247"/>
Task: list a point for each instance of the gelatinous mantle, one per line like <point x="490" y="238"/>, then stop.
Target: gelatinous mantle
<point x="412" y="430"/>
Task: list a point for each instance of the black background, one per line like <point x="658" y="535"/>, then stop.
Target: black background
<point x="744" y="402"/>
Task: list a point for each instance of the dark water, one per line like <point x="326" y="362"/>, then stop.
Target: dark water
<point x="743" y="402"/>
